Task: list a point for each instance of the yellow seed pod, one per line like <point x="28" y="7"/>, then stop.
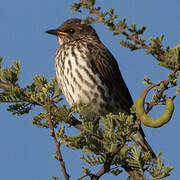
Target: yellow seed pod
<point x="158" y="122"/>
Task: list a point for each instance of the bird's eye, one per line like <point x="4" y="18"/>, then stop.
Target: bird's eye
<point x="71" y="31"/>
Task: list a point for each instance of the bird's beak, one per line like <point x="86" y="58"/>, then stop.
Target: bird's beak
<point x="56" y="32"/>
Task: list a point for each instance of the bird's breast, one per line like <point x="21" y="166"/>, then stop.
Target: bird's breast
<point x="78" y="81"/>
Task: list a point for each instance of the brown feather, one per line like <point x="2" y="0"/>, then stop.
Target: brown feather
<point x="108" y="70"/>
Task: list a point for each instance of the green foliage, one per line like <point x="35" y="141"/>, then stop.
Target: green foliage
<point x="122" y="26"/>
<point x="100" y="137"/>
<point x="93" y="160"/>
<point x="129" y="45"/>
<point x="85" y="4"/>
<point x="12" y="94"/>
<point x="76" y="7"/>
<point x="133" y="29"/>
<point x="147" y="80"/>
<point x="138" y="160"/>
<point x="133" y="156"/>
<point x="20" y="108"/>
<point x="74" y="142"/>
<point x="173" y="57"/>
<point x="117" y="128"/>
<point x="158" y="170"/>
<point x="10" y="74"/>
<point x="156" y="45"/>
<point x="100" y="141"/>
<point x="144" y="162"/>
<point x="24" y="99"/>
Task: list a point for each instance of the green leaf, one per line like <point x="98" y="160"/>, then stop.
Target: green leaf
<point x="11" y="73"/>
<point x="158" y="169"/>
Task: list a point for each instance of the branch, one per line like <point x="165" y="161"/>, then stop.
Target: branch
<point x="165" y="84"/>
<point x="48" y="108"/>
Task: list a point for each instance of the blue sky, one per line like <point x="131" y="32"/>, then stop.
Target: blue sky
<point x="26" y="151"/>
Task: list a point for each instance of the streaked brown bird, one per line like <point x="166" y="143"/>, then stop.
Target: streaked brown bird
<point x="89" y="74"/>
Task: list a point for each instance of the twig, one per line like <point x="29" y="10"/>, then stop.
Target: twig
<point x="159" y="93"/>
<point x="58" y="144"/>
<point x="83" y="177"/>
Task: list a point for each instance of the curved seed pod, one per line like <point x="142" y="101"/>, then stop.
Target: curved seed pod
<point x="148" y="121"/>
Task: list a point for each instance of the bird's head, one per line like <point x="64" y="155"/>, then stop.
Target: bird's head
<point x="73" y="30"/>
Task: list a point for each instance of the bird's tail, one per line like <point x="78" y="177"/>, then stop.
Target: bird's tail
<point x="140" y="140"/>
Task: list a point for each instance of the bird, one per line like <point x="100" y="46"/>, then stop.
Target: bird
<point x="89" y="74"/>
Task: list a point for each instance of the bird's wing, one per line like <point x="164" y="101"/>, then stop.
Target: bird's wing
<point x="107" y="68"/>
